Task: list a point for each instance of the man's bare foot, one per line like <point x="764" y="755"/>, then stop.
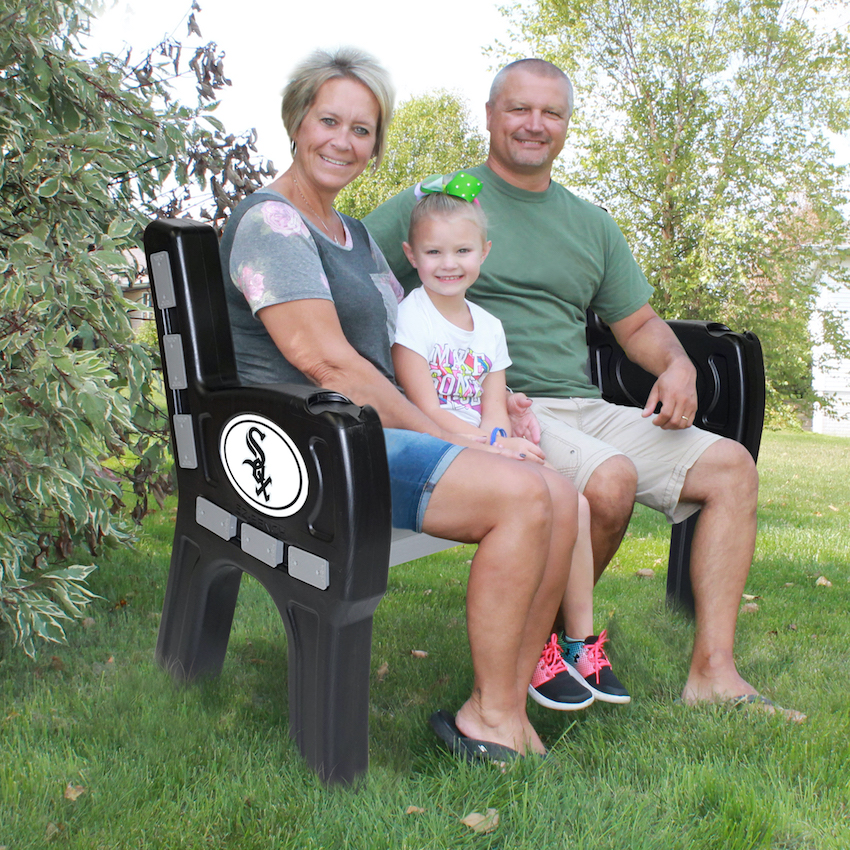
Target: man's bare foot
<point x="747" y="695"/>
<point x="716" y="680"/>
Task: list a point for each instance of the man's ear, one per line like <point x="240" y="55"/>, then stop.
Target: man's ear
<point x="408" y="252"/>
<point x="487" y="112"/>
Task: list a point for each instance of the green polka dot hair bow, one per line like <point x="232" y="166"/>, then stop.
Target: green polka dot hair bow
<point x="460" y="184"/>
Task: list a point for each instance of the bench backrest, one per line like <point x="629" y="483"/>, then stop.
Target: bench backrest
<point x="730" y="376"/>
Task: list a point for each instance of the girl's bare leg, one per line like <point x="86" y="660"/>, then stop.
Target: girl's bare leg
<point x="577" y="606"/>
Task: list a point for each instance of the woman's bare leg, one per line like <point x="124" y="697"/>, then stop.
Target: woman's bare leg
<point x="506" y="507"/>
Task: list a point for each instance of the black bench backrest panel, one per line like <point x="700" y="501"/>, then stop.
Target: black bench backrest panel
<point x="347" y="509"/>
<point x="730" y="376"/>
<point x="196" y="270"/>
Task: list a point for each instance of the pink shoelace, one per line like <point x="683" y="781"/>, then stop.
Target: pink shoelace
<point x="595" y="655"/>
<point x="551" y="662"/>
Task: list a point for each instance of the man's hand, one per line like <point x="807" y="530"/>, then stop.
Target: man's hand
<point x="649" y="342"/>
<point x="523" y="422"/>
<point x="676" y="391"/>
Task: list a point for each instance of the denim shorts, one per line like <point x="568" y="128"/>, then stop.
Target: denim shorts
<point x="417" y="461"/>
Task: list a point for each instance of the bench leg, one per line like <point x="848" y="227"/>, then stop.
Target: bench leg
<point x="198" y="611"/>
<point x="329" y="690"/>
<point x="680" y="594"/>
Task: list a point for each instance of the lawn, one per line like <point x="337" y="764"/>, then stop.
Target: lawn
<point x="98" y="749"/>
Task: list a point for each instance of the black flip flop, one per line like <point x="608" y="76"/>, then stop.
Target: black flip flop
<point x="769" y="705"/>
<point x="470" y="749"/>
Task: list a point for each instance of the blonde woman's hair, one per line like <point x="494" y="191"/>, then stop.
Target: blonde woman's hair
<point x="346" y="63"/>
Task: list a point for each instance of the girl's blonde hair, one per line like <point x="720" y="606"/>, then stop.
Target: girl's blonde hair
<point x="439" y="205"/>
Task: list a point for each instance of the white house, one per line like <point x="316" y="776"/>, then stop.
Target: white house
<point x="833" y="377"/>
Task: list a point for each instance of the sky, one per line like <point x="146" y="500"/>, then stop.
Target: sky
<point x="425" y="46"/>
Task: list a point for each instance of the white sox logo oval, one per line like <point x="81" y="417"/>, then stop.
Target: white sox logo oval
<point x="264" y="465"/>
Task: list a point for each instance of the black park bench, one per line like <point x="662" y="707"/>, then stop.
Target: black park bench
<point x="290" y="484"/>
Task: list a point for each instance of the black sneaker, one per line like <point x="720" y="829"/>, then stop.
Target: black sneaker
<point x="553" y="685"/>
<point x="590" y="666"/>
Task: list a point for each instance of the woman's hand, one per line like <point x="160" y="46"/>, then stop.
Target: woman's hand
<point x="522" y="447"/>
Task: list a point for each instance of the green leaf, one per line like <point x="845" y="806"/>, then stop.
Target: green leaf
<point x="119" y="228"/>
<point x="49" y="187"/>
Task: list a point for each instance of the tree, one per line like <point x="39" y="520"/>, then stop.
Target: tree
<point x="86" y="146"/>
<point x="430" y="134"/>
<point x="703" y="126"/>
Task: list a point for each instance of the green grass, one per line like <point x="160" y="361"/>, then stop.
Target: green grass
<point x="211" y="765"/>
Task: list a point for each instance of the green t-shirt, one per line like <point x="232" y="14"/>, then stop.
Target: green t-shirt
<point x="553" y="256"/>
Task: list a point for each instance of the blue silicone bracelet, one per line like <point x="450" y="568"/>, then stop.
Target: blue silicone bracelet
<point x="497" y="432"/>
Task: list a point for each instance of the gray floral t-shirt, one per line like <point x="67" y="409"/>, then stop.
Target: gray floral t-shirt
<point x="272" y="256"/>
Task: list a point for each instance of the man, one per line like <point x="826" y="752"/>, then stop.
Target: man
<point x="553" y="256"/>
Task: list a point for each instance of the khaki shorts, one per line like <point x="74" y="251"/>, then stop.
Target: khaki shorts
<point x="578" y="434"/>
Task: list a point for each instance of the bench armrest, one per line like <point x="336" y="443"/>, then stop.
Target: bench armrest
<point x="730" y="376"/>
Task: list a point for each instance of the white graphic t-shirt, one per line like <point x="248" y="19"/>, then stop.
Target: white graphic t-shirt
<point x="459" y="359"/>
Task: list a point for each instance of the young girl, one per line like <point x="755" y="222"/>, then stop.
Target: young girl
<point x="450" y="358"/>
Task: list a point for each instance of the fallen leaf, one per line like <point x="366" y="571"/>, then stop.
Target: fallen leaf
<point x="789" y="584"/>
<point x="658" y="562"/>
<point x="823" y="581"/>
<point x="53" y="829"/>
<point x="56" y="662"/>
<point x="482" y="823"/>
<point x="418" y="653"/>
<point x="382" y="672"/>
<point x="792" y="626"/>
<point x="749" y="598"/>
<point x="88" y="622"/>
<point x="414" y="810"/>
<point x="73" y="792"/>
<point x="646" y="573"/>
<point x="749" y="608"/>
<point x="428" y="592"/>
<point x="833" y="508"/>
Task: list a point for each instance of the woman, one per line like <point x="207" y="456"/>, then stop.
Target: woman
<point x="313" y="301"/>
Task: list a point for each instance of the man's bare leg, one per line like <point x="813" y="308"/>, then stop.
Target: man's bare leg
<point x="611" y="494"/>
<point x="505" y="506"/>
<point x="724" y="480"/>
